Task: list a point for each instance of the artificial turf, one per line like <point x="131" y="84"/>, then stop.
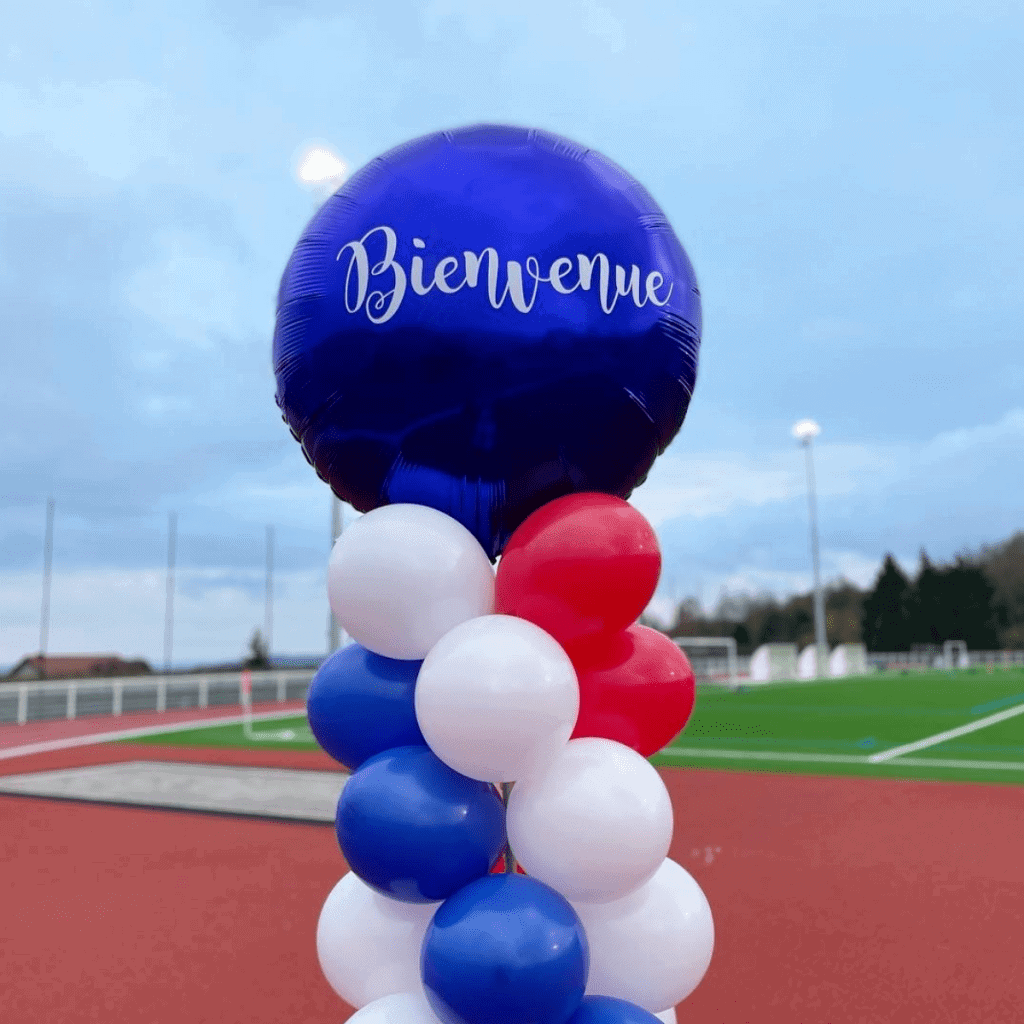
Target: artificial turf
<point x="829" y="727"/>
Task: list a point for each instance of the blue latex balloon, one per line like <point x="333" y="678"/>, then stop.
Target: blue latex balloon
<point x="361" y="704"/>
<point x="505" y="950"/>
<point x="416" y="830"/>
<point x="482" y="321"/>
<point x="606" y="1010"/>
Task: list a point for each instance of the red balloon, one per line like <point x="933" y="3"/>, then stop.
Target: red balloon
<point x="636" y="687"/>
<point x="499" y="867"/>
<point x="579" y="566"/>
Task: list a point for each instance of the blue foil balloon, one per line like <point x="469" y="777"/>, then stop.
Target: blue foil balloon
<point x="606" y="1010"/>
<point x="505" y="950"/>
<point x="361" y="704"/>
<point x="482" y="321"/>
<point x="416" y="830"/>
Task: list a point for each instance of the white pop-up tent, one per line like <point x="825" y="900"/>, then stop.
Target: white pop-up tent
<point x="773" y="661"/>
<point x="848" y="660"/>
<point x="807" y="663"/>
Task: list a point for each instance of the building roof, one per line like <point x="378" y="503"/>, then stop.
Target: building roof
<point x="76" y="666"/>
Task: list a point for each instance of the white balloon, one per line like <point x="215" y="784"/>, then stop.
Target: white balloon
<point x="402" y="576"/>
<point x="668" y="1016"/>
<point x="653" y="946"/>
<point x="497" y="698"/>
<point x="402" y="1008"/>
<point x="369" y="945"/>
<point x="595" y="824"/>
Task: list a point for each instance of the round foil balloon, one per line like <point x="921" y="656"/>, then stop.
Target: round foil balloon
<point x="484" y="320"/>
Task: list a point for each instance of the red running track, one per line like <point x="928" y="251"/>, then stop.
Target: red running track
<point x="836" y="901"/>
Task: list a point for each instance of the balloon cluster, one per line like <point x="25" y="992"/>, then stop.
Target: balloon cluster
<point x="483" y="341"/>
<point x="460" y="679"/>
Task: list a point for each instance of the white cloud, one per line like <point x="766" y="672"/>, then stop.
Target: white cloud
<point x="123" y="611"/>
<point x="709" y="486"/>
<point x="952" y="443"/>
<point x="113" y="127"/>
<point x="598" y="21"/>
<point x="712" y="485"/>
<point x="193" y="294"/>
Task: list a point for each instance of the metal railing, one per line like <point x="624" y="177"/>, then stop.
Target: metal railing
<point x="921" y="661"/>
<point x="76" y="698"/>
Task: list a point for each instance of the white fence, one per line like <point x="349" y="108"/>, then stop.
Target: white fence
<point x="78" y="698"/>
<point x="921" y="661"/>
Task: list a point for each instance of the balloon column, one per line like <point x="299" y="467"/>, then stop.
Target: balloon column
<point x="483" y="341"/>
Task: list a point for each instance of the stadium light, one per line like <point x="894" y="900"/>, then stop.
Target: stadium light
<point x="805" y="432"/>
<point x="320" y="170"/>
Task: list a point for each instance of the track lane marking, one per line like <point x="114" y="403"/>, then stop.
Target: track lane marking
<point x="68" y="742"/>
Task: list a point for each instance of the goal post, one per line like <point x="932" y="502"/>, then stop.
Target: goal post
<point x="713" y="658"/>
<point x="954" y="654"/>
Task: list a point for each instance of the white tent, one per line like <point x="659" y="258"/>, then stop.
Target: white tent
<point x="848" y="660"/>
<point x="807" y="664"/>
<point x="773" y="661"/>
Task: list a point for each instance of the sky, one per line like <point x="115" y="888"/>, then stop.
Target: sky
<point x="846" y="179"/>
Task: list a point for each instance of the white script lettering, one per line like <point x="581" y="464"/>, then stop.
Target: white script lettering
<point x="611" y="281"/>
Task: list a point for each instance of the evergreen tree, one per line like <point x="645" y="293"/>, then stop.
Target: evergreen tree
<point x="928" y="617"/>
<point x="967" y="600"/>
<point x="885" y="622"/>
<point x="1004" y="567"/>
<point x="259" y="655"/>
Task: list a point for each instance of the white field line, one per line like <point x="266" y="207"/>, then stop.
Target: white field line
<point x="949" y="734"/>
<point x="763" y="755"/>
<point x="768" y="755"/>
<point x="46" y="746"/>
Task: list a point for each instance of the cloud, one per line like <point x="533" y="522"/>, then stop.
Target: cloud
<point x="112" y="128"/>
<point x="951" y="444"/>
<point x="701" y="486"/>
<point x="123" y="611"/>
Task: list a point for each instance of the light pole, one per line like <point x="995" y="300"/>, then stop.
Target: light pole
<point x="172" y="546"/>
<point x="44" y="615"/>
<point x="268" y="604"/>
<point x="805" y="432"/>
<point x="320" y="171"/>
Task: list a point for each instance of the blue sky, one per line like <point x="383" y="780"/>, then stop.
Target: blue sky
<point x="847" y="181"/>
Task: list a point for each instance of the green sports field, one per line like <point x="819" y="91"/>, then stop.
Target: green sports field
<point x="848" y="727"/>
<point x="861" y="727"/>
<point x="267" y="733"/>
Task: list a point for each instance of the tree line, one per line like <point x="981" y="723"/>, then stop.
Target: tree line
<point x="978" y="597"/>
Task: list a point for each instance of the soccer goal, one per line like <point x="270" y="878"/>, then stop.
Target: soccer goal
<point x="713" y="659"/>
<point x="259" y="735"/>
<point x="954" y="654"/>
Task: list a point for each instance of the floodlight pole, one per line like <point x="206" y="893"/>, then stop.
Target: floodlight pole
<point x="44" y="614"/>
<point x="321" y="171"/>
<point x="820" y="637"/>
<point x="268" y="611"/>
<point x="172" y="545"/>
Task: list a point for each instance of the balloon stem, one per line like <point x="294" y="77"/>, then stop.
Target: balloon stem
<point x="510" y="860"/>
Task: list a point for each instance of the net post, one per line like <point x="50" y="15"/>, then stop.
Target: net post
<point x="22" y="704"/>
<point x="245" y="698"/>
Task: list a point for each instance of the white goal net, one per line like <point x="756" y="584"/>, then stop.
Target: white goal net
<point x="713" y="659"/>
